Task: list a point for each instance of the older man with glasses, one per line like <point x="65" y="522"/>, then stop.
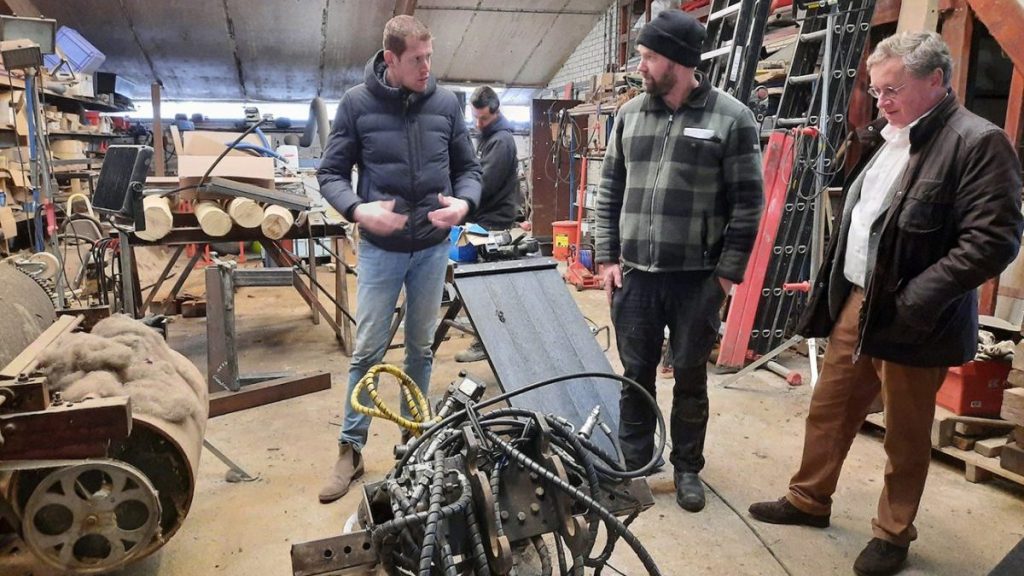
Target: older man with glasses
<point x="931" y="211"/>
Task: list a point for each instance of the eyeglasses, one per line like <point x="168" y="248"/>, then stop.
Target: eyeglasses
<point x="890" y="92"/>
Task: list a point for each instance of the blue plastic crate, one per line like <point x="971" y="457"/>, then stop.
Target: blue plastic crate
<point x="83" y="57"/>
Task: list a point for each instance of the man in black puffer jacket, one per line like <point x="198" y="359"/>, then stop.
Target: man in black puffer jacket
<point x="417" y="177"/>
<point x="499" y="194"/>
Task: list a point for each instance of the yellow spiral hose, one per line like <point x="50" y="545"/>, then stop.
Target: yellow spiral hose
<point x="419" y="408"/>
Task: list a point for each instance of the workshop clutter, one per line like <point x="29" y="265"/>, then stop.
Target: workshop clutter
<point x="137" y="410"/>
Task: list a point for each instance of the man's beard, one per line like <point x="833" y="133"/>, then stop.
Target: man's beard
<point x="660" y="86"/>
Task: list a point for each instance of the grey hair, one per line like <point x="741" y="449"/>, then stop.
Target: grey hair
<point x="921" y="53"/>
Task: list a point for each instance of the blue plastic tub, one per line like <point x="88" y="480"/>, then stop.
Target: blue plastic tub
<point x="83" y="57"/>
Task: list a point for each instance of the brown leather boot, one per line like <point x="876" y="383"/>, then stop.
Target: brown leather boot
<point x="348" y="467"/>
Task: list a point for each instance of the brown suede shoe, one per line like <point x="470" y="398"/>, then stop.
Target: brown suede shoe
<point x="348" y="467"/>
<point x="782" y="511"/>
<point x="880" y="558"/>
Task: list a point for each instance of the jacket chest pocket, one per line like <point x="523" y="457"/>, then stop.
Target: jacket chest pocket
<point x="698" y="151"/>
<point x="926" y="209"/>
<point x="922" y="230"/>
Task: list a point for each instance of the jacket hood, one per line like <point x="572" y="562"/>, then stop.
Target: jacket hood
<point x="498" y="125"/>
<point x="373" y="76"/>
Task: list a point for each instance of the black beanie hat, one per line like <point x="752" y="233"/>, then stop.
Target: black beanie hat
<point x="675" y="35"/>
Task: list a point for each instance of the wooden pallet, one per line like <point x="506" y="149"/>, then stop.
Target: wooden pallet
<point x="977" y="468"/>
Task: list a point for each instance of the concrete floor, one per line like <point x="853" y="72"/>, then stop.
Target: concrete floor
<point x="753" y="446"/>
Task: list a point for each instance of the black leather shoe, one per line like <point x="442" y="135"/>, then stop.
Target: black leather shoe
<point x="880" y="558"/>
<point x="689" y="491"/>
<point x="781" y="511"/>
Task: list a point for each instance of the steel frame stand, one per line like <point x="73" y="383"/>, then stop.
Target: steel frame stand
<point x="223" y="378"/>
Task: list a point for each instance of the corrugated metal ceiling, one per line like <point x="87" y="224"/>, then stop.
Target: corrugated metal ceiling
<point x="293" y="50"/>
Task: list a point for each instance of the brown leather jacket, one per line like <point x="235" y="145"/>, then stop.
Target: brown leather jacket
<point x="954" y="222"/>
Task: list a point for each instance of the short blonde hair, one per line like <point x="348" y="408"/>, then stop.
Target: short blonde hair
<point x="921" y="53"/>
<point x="401" y="28"/>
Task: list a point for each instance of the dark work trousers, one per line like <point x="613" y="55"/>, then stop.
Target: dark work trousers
<point x="688" y="304"/>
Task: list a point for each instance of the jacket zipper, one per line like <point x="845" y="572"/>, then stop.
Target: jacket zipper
<point x="654" y="193"/>
<point x="412" y="173"/>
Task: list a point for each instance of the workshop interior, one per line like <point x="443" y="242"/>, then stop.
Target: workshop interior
<point x="178" y="300"/>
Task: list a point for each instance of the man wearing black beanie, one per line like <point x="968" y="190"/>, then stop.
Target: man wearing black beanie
<point x="677" y="213"/>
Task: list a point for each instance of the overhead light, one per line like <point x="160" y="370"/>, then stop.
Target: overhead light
<point x="21" y="54"/>
<point x="41" y="31"/>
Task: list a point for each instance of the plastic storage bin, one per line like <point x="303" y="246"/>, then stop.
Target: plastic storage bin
<point x="83" y="57"/>
<point x="974" y="389"/>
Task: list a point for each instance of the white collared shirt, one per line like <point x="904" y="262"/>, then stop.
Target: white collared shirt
<point x="888" y="165"/>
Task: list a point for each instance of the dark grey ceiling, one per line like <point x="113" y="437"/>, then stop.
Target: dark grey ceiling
<point x="293" y="50"/>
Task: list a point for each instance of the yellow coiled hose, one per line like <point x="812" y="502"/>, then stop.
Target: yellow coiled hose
<point x="419" y="408"/>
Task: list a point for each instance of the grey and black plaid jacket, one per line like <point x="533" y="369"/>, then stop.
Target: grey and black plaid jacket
<point x="681" y="190"/>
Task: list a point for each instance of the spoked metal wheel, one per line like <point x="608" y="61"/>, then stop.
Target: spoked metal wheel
<point x="91" y="517"/>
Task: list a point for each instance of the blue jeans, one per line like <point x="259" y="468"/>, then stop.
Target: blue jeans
<point x="382" y="274"/>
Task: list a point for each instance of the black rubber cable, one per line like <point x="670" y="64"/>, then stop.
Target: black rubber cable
<point x="642" y="554"/>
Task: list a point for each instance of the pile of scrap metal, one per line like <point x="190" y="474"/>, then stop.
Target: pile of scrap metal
<point x="492" y="493"/>
<point x="95" y="478"/>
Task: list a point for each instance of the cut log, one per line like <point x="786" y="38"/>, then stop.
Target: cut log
<point x="245" y="212"/>
<point x="1013" y="406"/>
<point x="1018" y="435"/>
<point x="277" y="220"/>
<point x="212" y="218"/>
<point x="159" y="219"/>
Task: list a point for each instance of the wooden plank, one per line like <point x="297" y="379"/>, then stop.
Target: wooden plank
<point x="27" y="360"/>
<point x="957" y="31"/>
<point x="988" y="464"/>
<point x="1012" y="458"/>
<point x="976" y="475"/>
<point x="1013" y="406"/>
<point x="918" y="16"/>
<point x="252" y="395"/>
<point x="975" y="465"/>
<point x="990" y="447"/>
<point x="886" y="12"/>
<point x="1018" y="435"/>
<point x="1003" y="19"/>
<point x="1014" y="125"/>
<point x="963" y="442"/>
<point x="25" y="396"/>
<point x="81" y="430"/>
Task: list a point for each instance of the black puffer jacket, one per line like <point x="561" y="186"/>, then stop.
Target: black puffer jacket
<point x="409" y="148"/>
<point x="500" y="194"/>
<point x="954" y="222"/>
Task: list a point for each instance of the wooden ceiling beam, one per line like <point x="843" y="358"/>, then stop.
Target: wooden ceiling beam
<point x="405" y="7"/>
<point x="1004" y="20"/>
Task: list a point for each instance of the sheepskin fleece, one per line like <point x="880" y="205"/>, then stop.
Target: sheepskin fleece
<point x="124" y="357"/>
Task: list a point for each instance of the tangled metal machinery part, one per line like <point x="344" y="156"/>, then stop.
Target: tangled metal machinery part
<point x="489" y="493"/>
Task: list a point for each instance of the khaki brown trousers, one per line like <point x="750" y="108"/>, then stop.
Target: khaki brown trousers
<point x="840" y="402"/>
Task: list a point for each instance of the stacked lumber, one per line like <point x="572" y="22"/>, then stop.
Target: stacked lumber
<point x="1012" y="456"/>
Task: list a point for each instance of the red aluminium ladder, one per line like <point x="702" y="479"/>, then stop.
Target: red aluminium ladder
<point x="778" y="167"/>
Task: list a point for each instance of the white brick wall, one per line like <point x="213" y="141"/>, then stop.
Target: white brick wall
<point x="591" y="56"/>
<point x="597" y="50"/>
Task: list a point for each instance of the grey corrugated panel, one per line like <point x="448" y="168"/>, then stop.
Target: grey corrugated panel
<point x="532" y="330"/>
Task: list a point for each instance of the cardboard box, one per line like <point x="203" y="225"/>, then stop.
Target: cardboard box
<point x="251" y="169"/>
<point x="461" y="249"/>
<point x="207" y="143"/>
<point x="8" y="226"/>
<point x="974" y="389"/>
